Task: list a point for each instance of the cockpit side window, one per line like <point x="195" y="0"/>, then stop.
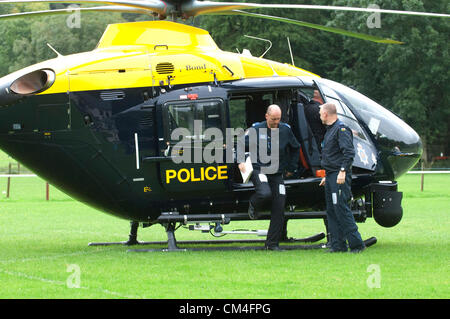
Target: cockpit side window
<point x="344" y="113"/>
<point x="354" y="126"/>
<point x="339" y="108"/>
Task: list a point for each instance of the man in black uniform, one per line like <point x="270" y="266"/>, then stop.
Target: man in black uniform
<point x="312" y="113"/>
<point x="337" y="158"/>
<point x="267" y="177"/>
<point x="312" y="109"/>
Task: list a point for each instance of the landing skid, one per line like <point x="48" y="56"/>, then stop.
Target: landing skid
<point x="368" y="242"/>
<point x="232" y="248"/>
<point x="170" y="230"/>
<point x="311" y="239"/>
<point x="132" y="238"/>
<point x="172" y="243"/>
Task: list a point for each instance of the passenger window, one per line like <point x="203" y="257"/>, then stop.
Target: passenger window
<point x="183" y="115"/>
<point x="209" y="113"/>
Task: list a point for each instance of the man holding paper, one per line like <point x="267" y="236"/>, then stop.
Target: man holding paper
<point x="273" y="150"/>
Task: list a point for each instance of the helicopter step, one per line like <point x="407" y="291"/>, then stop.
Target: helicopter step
<point x="226" y="218"/>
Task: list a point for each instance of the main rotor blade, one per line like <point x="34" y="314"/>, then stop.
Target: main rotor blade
<point x="205" y="7"/>
<point x="150" y="5"/>
<point x="71" y="10"/>
<point x="361" y="36"/>
<point x="193" y="7"/>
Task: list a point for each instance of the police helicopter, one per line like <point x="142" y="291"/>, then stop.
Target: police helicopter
<point x="99" y="125"/>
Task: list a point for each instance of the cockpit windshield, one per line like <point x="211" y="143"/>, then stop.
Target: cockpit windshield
<point x="387" y="128"/>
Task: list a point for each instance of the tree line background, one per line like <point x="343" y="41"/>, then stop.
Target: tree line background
<point x="411" y="79"/>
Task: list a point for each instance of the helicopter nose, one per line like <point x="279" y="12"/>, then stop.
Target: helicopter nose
<point x="401" y="152"/>
<point x="398" y="144"/>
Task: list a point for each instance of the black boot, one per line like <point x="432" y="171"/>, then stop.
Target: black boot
<point x="252" y="213"/>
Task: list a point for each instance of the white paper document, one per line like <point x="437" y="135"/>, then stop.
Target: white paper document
<point x="248" y="170"/>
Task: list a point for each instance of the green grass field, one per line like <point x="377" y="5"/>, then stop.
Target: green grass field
<point x="44" y="251"/>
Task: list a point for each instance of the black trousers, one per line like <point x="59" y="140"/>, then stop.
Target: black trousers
<point x="341" y="223"/>
<point x="270" y="190"/>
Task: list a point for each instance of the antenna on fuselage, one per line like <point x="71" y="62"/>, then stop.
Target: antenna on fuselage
<point x="290" y="51"/>
<point x="54" y="50"/>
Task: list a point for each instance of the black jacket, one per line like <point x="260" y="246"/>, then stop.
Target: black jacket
<point x="315" y="123"/>
<point x="288" y="148"/>
<point x="337" y="150"/>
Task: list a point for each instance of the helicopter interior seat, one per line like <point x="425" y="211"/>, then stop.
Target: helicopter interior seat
<point x="310" y="152"/>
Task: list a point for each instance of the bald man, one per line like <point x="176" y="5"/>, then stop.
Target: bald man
<point x="267" y="177"/>
<point x="337" y="158"/>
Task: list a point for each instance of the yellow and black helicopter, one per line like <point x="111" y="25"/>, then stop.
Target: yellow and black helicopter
<point x="98" y="125"/>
